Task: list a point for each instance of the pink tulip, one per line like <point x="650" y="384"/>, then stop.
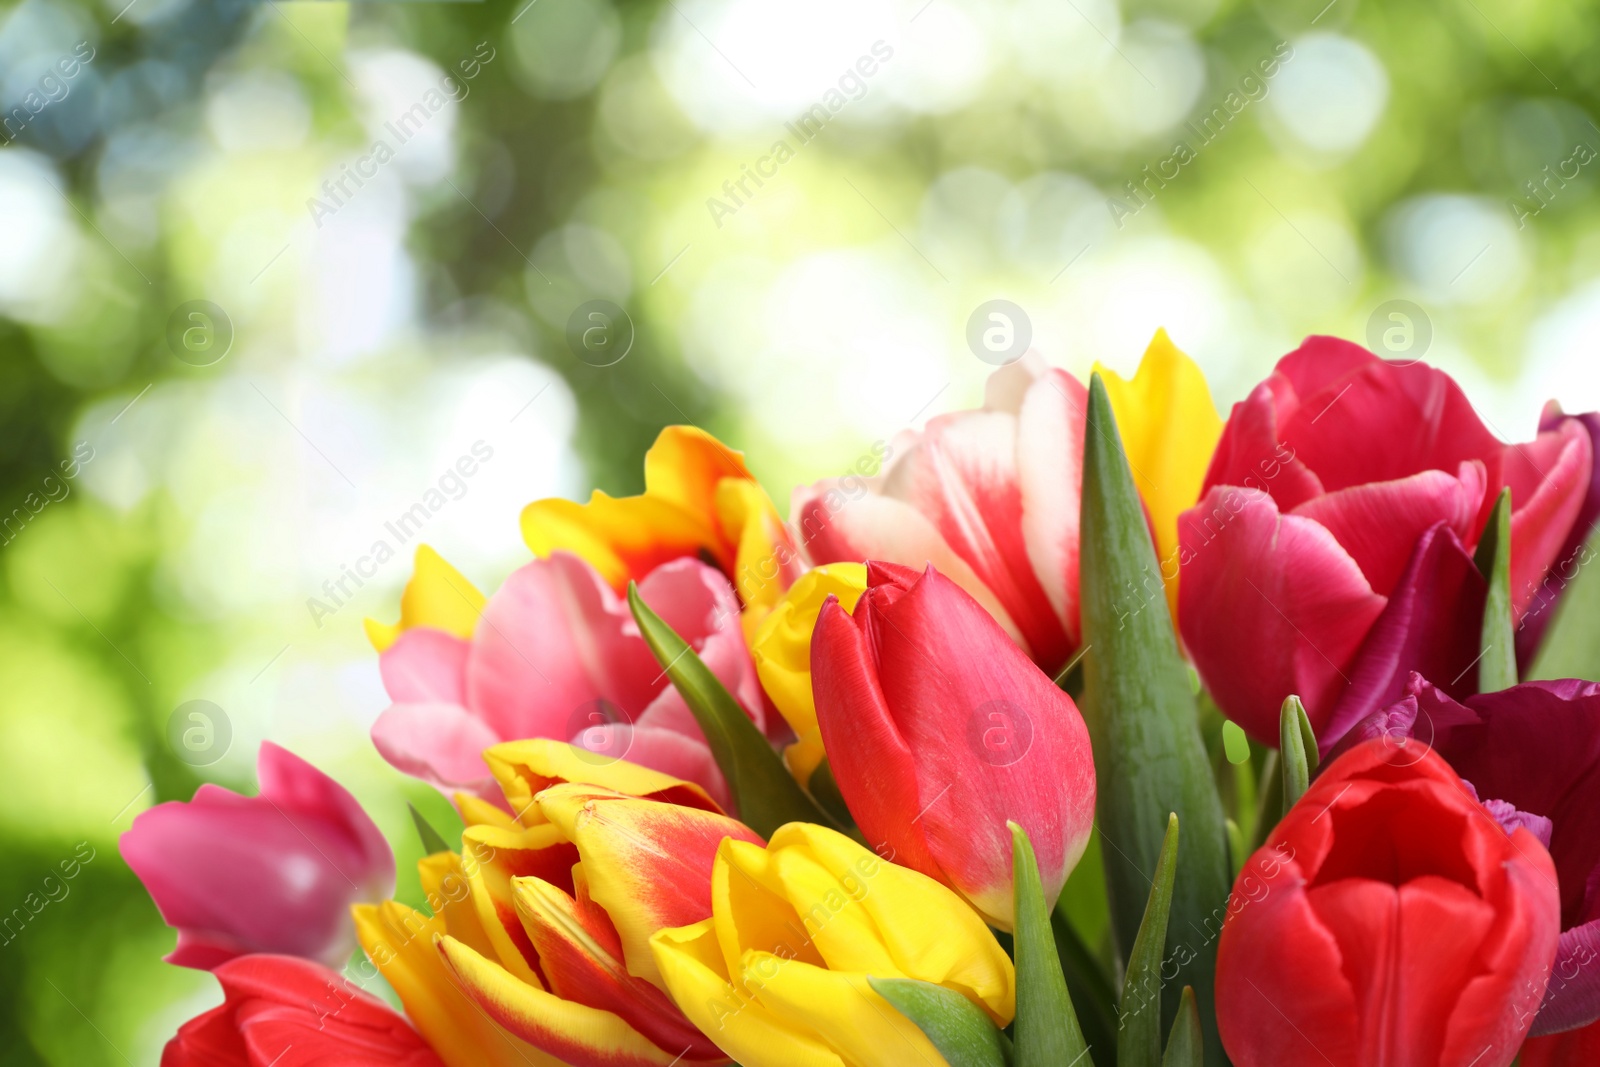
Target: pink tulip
<point x="1330" y="553"/>
<point x="940" y="731"/>
<point x="557" y="654"/>
<point x="273" y="873"/>
<point x="988" y="497"/>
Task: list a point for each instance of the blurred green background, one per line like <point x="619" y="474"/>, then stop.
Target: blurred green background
<point x="355" y="341"/>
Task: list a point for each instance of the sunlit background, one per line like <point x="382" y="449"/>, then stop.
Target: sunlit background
<point x="1308" y="163"/>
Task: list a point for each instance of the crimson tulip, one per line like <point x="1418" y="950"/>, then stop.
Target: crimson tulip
<point x="1330" y="552"/>
<point x="1532" y="752"/>
<point x="273" y="873"/>
<point x="1575" y="1048"/>
<point x="285" y="1012"/>
<point x="1389" y="919"/>
<point x="1574" y="552"/>
<point x="939" y="730"/>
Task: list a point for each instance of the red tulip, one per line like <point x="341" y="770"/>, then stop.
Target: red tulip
<point x="1389" y="919"/>
<point x="285" y="1012"/>
<point x="939" y="729"/>
<point x="1575" y="1048"/>
<point x="270" y="873"/>
<point x="1341" y="486"/>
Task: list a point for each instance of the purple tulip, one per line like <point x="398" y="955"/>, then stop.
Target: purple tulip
<point x="271" y="873"/>
<point x="1532" y="753"/>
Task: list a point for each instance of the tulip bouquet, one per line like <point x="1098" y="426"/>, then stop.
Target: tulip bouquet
<point x="1090" y="730"/>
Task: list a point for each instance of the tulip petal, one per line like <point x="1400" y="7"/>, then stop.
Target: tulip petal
<point x="555" y="639"/>
<point x="964" y="477"/>
<point x="1296" y="608"/>
<point x="692" y="967"/>
<point x="442" y="744"/>
<point x="581" y="955"/>
<point x="1379" y="522"/>
<point x="399" y="942"/>
<point x="573" y="1032"/>
<point x="525" y="769"/>
<point x="648" y="864"/>
<point x="1169" y="428"/>
<point x="1429" y="627"/>
<point x="436" y="596"/>
<point x="1549" y="479"/>
<point x="425" y="666"/>
<point x="860" y="1024"/>
<point x="491" y="859"/>
<point x="839" y="526"/>
<point x="766" y="562"/>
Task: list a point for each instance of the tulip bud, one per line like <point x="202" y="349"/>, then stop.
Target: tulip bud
<point x="275" y="873"/>
<point x="1388" y="919"/>
<point x="940" y="730"/>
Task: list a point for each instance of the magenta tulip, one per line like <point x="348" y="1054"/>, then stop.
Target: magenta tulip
<point x="939" y="730"/>
<point x="1340" y="511"/>
<point x="272" y="873"/>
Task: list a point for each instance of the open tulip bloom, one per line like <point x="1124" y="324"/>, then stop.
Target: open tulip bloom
<point x="957" y="766"/>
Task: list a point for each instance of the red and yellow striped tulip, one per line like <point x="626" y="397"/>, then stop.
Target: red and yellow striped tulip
<point x="538" y="948"/>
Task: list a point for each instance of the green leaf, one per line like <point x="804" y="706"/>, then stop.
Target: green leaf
<point x="1150" y="758"/>
<point x="1139" y="1043"/>
<point x="432" y="840"/>
<point x="1186" y="1042"/>
<point x="825" y="791"/>
<point x="1571" y="645"/>
<point x="766" y="795"/>
<point x="1295" y="738"/>
<point x="1093" y="997"/>
<point x="1046" y="1028"/>
<point x="1497" y="662"/>
<point x="1234" y="743"/>
<point x="958" y="1028"/>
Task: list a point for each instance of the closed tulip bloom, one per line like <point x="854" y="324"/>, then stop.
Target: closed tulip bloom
<point x="1331" y="552"/>
<point x="777" y="975"/>
<point x="1389" y="919"/>
<point x="939" y="731"/>
<point x="279" y="1011"/>
<point x="273" y="873"/>
<point x="782" y="651"/>
<point x="544" y="919"/>
<point x="1532" y="753"/>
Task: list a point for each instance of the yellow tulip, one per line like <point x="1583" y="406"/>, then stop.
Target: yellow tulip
<point x="1169" y="427"/>
<point x="782" y="652"/>
<point x="777" y="977"/>
<point x="700" y="501"/>
<point x="438" y="596"/>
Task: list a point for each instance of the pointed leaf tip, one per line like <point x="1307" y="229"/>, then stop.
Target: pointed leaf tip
<point x="1295" y="759"/>
<point x="1139" y="1041"/>
<point x="432" y="840"/>
<point x="1046" y="1028"/>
